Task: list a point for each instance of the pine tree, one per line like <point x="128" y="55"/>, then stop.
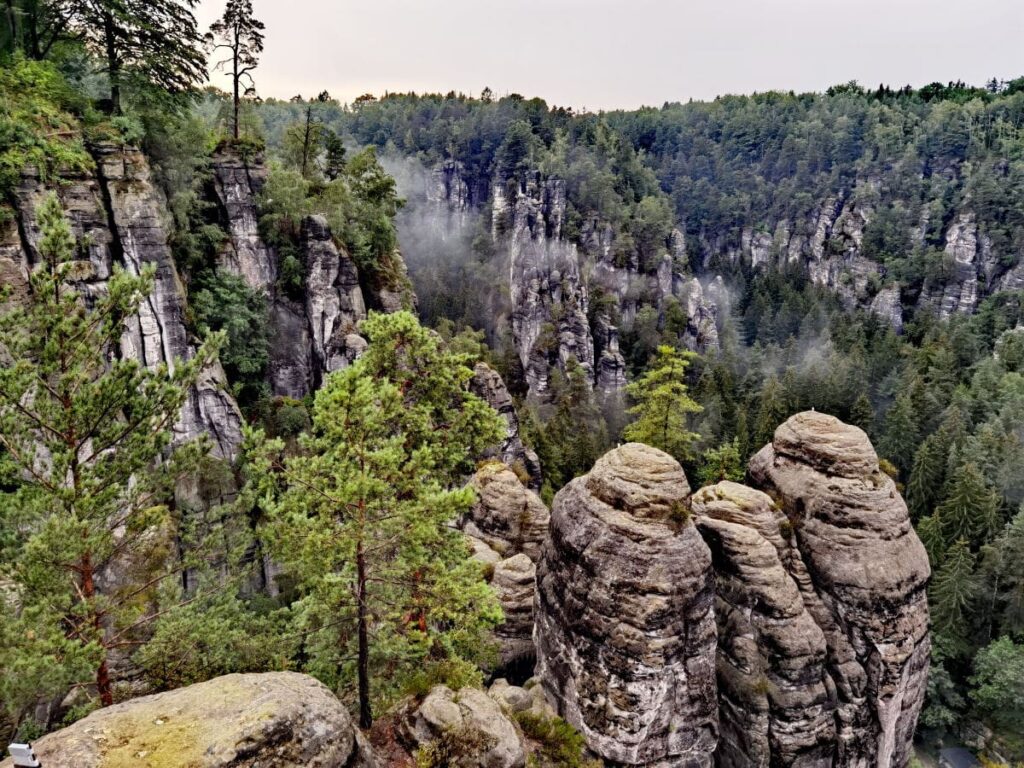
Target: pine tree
<point x="149" y="42"/>
<point x="83" y="432"/>
<point x="360" y="516"/>
<point x="722" y="463"/>
<point x="663" y="404"/>
<point x="239" y="33"/>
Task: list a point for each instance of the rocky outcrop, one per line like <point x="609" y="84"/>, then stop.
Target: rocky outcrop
<point x="514" y="582"/>
<point x="862" y="574"/>
<point x="272" y="720"/>
<point x="549" y="296"/>
<point x="472" y="718"/>
<point x="118" y="217"/>
<point x="158" y="335"/>
<point x="313" y="332"/>
<point x="625" y="628"/>
<point x="507" y="526"/>
<point x="334" y="300"/>
<point x="773" y="702"/>
<point x="238" y="183"/>
<point x="509" y="517"/>
<point x="488" y="385"/>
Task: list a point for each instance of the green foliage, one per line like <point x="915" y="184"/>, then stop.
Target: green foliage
<point x="569" y="433"/>
<point x="461" y="747"/>
<point x="560" y="745"/>
<point x="663" y="405"/>
<point x="38" y="127"/>
<point x="152" y="46"/>
<point x="998" y="682"/>
<point x="100" y="496"/>
<point x="722" y="463"/>
<point x="223" y="302"/>
<point x="359" y="516"/>
<point x="215" y="637"/>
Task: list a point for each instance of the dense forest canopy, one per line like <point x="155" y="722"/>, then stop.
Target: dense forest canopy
<point x="942" y="397"/>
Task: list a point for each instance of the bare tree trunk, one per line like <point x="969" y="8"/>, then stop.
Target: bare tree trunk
<point x="113" y="65"/>
<point x="365" y="713"/>
<point x="235" y="79"/>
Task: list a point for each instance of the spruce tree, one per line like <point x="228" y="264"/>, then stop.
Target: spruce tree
<point x="774" y="407"/>
<point x="971" y="509"/>
<point x="953" y="592"/>
<point x="88" y="437"/>
<point x="901" y="434"/>
<point x="663" y="405"/>
<point x="360" y="516"/>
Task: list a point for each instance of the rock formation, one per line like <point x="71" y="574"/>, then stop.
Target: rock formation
<point x="237" y="184"/>
<point x="514" y="582"/>
<point x="819" y="607"/>
<point x="118" y="215"/>
<point x="549" y="296"/>
<point x="625" y="628"/>
<point x="507" y="526"/>
<point x="774" y="706"/>
<point x="487" y="384"/>
<point x="862" y="573"/>
<point x="507" y="516"/>
<point x="272" y="720"/>
<point x="470" y="716"/>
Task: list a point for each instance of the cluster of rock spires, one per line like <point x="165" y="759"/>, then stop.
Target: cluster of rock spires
<point x="816" y="584"/>
<point x="784" y="624"/>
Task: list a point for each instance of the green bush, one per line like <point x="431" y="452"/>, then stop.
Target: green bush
<point x="560" y="745"/>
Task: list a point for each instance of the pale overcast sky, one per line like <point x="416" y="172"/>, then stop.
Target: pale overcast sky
<point x="606" y="54"/>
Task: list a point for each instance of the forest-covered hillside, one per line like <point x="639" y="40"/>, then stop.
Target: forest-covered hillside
<point x="292" y="385"/>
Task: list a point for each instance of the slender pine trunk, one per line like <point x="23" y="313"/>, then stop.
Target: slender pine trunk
<point x="365" y="713"/>
<point x="235" y="79"/>
<point x="113" y="64"/>
<point x="104" y="685"/>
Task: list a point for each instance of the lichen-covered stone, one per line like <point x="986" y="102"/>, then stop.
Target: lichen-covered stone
<point x="625" y="629"/>
<point x="272" y="720"/>
<point x="469" y="714"/>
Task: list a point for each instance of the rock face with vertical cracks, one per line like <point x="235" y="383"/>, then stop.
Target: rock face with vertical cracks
<point x="625" y="629"/>
<point x="861" y="572"/>
<point x="773" y="703"/>
<point x="488" y="385"/>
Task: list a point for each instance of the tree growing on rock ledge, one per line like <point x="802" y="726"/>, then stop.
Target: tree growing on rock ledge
<point x="360" y="516"/>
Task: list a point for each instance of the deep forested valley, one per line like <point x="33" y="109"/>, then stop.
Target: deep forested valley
<point x="688" y="435"/>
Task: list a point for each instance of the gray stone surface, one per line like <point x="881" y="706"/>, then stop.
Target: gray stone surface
<point x="271" y="720"/>
<point x="862" y="573"/>
<point x="625" y="628"/>
<point x="467" y="710"/>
